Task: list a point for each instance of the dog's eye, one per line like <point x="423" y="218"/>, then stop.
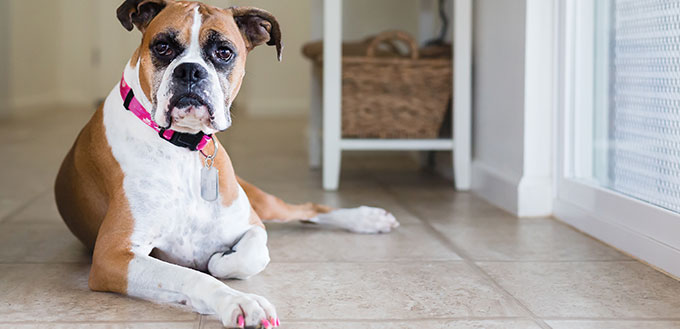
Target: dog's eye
<point x="224" y="54"/>
<point x="163" y="49"/>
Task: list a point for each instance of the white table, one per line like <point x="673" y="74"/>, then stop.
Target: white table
<point x="331" y="144"/>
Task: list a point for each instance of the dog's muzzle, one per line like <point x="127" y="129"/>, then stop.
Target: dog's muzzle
<point x="189" y="105"/>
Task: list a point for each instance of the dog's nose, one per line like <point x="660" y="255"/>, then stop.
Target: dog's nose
<point x="190" y="73"/>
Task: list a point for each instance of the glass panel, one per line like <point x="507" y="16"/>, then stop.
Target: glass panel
<point x="636" y="117"/>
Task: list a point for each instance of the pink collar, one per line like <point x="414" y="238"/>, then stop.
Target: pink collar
<point x="194" y="142"/>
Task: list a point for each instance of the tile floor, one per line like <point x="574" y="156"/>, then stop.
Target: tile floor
<point x="456" y="261"/>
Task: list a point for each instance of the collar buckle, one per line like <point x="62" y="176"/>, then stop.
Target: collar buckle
<point x="190" y="141"/>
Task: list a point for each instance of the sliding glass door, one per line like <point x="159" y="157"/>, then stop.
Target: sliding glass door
<point x="619" y="124"/>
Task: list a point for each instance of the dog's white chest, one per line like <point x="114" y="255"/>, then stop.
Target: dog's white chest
<point x="162" y="185"/>
<point x="195" y="230"/>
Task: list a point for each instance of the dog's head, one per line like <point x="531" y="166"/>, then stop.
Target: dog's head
<point x="192" y="58"/>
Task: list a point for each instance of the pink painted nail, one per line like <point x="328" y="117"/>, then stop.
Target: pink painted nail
<point x="265" y="323"/>
<point x="272" y="320"/>
<point x="241" y="321"/>
<point x="278" y="323"/>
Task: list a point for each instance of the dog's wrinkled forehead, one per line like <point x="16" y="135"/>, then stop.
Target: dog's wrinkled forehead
<point x="252" y="25"/>
<point x="243" y="28"/>
<point x="175" y="25"/>
<point x="177" y="21"/>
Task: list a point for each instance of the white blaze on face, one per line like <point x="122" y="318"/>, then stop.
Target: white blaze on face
<point x="215" y="96"/>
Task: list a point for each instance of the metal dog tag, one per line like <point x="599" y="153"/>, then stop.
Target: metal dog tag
<point x="209" y="183"/>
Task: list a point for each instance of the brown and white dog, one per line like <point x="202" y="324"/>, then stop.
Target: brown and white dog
<point x="136" y="200"/>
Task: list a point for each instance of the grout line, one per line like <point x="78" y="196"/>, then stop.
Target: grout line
<point x="422" y="260"/>
<point x="468" y="260"/>
<point x="420" y="320"/>
<point x="401" y="261"/>
<point x="608" y="319"/>
<point x="45" y="263"/>
<point x="556" y="261"/>
<point x="462" y="318"/>
<point x="202" y="320"/>
<point x="25" y="205"/>
<point x="99" y="322"/>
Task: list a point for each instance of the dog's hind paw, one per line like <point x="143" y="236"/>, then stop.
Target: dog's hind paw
<point x="367" y="220"/>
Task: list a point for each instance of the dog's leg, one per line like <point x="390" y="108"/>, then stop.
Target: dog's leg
<point x="152" y="279"/>
<point x="127" y="268"/>
<point x="245" y="259"/>
<point x="360" y="220"/>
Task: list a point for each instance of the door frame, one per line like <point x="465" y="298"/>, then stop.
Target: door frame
<point x="640" y="229"/>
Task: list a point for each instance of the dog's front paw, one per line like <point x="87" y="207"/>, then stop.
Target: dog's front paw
<point x="247" y="311"/>
<point x="368" y="220"/>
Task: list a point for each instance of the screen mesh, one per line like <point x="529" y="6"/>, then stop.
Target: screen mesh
<point x="644" y="132"/>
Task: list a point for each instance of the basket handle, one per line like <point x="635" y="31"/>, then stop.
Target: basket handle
<point x="393" y="35"/>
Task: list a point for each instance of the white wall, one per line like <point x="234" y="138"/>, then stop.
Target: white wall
<point x="512" y="106"/>
<point x="362" y="17"/>
<point x="33" y="53"/>
<point x="48" y="59"/>
<point x="75" y="75"/>
<point x="112" y="46"/>
<point x="278" y="88"/>
<point x="498" y="98"/>
<point x="4" y="59"/>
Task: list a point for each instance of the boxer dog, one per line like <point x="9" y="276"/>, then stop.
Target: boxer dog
<point x="149" y="188"/>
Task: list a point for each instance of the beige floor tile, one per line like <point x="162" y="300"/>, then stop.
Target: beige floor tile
<point x="585" y="324"/>
<point x="13" y="200"/>
<point x="309" y="243"/>
<point x="129" y="325"/>
<point x="9" y="206"/>
<point x="42" y="210"/>
<point x="54" y="292"/>
<point x="378" y="291"/>
<point x="328" y="275"/>
<point x="424" y="324"/>
<point x="460" y="207"/>
<point x="590" y="289"/>
<point x="33" y="149"/>
<point x="40" y="243"/>
<point x="508" y="238"/>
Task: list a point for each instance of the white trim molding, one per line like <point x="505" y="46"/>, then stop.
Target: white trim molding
<point x="497" y="187"/>
<point x="535" y="188"/>
<point x="521" y="195"/>
<point x="630" y="241"/>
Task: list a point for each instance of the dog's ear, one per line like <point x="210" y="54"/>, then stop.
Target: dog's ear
<point x="139" y="13"/>
<point x="258" y="26"/>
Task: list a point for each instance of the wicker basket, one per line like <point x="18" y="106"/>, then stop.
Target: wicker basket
<point x="390" y="96"/>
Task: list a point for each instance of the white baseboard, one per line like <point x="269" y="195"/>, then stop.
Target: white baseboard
<point x="655" y="253"/>
<point x="535" y="197"/>
<point x="501" y="189"/>
<point x="522" y="196"/>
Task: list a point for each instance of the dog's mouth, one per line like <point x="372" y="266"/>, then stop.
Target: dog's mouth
<point x="189" y="112"/>
<point x="187" y="100"/>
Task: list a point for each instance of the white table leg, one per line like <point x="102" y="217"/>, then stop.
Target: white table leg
<point x="332" y="92"/>
<point x="462" y="93"/>
<point x="315" y="117"/>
